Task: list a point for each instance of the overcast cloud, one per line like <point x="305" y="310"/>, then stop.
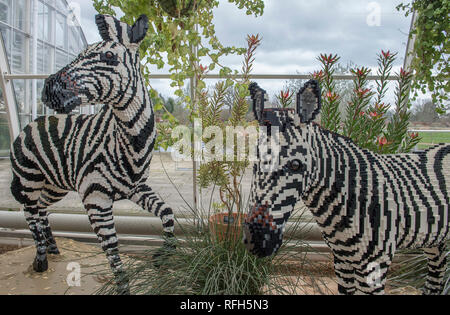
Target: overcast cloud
<point x="295" y="32"/>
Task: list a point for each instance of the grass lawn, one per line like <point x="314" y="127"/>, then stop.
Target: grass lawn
<point x="429" y="138"/>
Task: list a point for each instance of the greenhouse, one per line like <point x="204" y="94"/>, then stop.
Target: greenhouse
<point x="151" y="147"/>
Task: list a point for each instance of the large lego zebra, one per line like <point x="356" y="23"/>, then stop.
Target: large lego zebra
<point x="366" y="205"/>
<point x="104" y="157"/>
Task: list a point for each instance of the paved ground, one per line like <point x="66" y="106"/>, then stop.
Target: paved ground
<point x="18" y="277"/>
<point x="179" y="173"/>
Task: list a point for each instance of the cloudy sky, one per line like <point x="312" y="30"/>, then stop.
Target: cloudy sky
<point x="295" y="32"/>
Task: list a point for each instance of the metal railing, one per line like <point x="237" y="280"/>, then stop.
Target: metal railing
<point x="134" y="230"/>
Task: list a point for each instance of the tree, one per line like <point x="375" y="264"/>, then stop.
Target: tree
<point x="425" y="112"/>
<point x="176" y="27"/>
<point x="431" y="48"/>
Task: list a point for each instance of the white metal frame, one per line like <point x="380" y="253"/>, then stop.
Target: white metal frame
<point x="8" y="93"/>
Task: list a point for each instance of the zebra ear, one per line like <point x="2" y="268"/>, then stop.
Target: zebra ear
<point x="109" y="27"/>
<point x="258" y="97"/>
<point x="309" y="101"/>
<point x="139" y="30"/>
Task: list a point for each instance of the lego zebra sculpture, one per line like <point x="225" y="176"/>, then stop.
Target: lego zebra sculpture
<point x="366" y="205"/>
<point x="104" y="157"/>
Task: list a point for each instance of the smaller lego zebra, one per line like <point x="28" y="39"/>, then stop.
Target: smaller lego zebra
<point x="104" y="157"/>
<point x="367" y="205"/>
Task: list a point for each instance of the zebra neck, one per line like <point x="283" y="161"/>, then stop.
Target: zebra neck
<point x="136" y="112"/>
<point x="332" y="163"/>
<point x="136" y="120"/>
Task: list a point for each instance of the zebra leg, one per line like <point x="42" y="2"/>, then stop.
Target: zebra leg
<point x="345" y="274"/>
<point x="437" y="262"/>
<point x="49" y="195"/>
<point x="371" y="278"/>
<point x="28" y="192"/>
<point x="40" y="263"/>
<point x="99" y="209"/>
<point x="146" y="198"/>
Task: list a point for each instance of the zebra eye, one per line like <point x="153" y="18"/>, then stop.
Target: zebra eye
<point x="295" y="165"/>
<point x="109" y="55"/>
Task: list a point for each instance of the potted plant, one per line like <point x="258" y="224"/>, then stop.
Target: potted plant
<point x="226" y="226"/>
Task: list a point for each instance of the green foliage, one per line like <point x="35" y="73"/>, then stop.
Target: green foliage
<point x="431" y="48"/>
<point x="202" y="264"/>
<point x="413" y="272"/>
<point x="172" y="36"/>
<point x="226" y="174"/>
<point x="365" y="119"/>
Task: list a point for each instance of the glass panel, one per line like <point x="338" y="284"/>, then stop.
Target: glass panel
<point x="19" y="89"/>
<point x="61" y="6"/>
<point x="40" y="107"/>
<point x="19" y="16"/>
<point x="44" y="25"/>
<point x="49" y="52"/>
<point x="2" y="103"/>
<point x="61" y="59"/>
<point x="5" y="11"/>
<point x="61" y="32"/>
<point x="73" y="40"/>
<point x="24" y="120"/>
<point x="6" y="33"/>
<point x="18" y="53"/>
<point x="5" y="141"/>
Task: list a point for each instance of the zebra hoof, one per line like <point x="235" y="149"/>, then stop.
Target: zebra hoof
<point x="123" y="290"/>
<point x="163" y="252"/>
<point x="40" y="265"/>
<point x="52" y="249"/>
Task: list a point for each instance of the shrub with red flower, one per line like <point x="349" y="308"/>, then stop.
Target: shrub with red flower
<point x="365" y="118"/>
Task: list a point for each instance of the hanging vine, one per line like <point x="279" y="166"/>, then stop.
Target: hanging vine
<point x="431" y="49"/>
<point x="173" y="33"/>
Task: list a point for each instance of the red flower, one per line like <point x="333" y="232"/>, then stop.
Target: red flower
<point x="332" y="96"/>
<point x="414" y="135"/>
<point x="362" y="92"/>
<point x="404" y="73"/>
<point x="203" y="68"/>
<point x="382" y="141"/>
<point x="361" y="114"/>
<point x="318" y="75"/>
<point x="285" y="95"/>
<point x="328" y="59"/>
<point x="253" y="40"/>
<point x="374" y="114"/>
<point x="386" y="54"/>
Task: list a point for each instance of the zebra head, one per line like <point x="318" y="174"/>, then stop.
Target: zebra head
<point x="107" y="72"/>
<point x="285" y="167"/>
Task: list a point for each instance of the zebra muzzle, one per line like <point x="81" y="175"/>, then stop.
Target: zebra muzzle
<point x="60" y="93"/>
<point x="262" y="237"/>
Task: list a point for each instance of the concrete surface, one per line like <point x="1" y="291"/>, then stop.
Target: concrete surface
<point x="179" y="173"/>
<point x="18" y="277"/>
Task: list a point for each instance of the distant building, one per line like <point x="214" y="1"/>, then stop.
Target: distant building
<point x="41" y="36"/>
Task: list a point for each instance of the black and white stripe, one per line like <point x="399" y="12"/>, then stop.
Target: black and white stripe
<point x="367" y="205"/>
<point x="104" y="157"/>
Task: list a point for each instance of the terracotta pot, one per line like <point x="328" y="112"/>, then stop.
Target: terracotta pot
<point x="227" y="226"/>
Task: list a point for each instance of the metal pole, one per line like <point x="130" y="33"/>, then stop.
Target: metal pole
<point x="8" y="93"/>
<point x="34" y="54"/>
<point x="409" y="54"/>
<point x="193" y="82"/>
